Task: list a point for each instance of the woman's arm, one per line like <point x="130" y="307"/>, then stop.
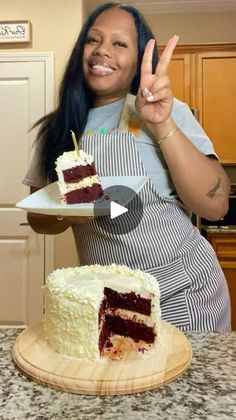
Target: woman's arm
<point x="200" y="181"/>
<point x="52" y="225"/>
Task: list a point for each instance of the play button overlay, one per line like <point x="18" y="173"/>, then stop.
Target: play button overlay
<point x="116" y="210"/>
<point x="119" y="210"/>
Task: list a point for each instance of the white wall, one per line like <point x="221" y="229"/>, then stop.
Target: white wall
<point x="55" y="27"/>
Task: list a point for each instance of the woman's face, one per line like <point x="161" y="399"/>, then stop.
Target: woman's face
<point x="110" y="55"/>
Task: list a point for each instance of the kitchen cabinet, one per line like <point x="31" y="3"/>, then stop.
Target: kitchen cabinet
<point x="180" y="76"/>
<point x="224" y="245"/>
<point x="204" y="77"/>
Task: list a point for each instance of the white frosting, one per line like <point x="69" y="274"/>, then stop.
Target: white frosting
<point x="72" y="302"/>
<point x="86" y="182"/>
<point x="71" y="159"/>
<point x="133" y="316"/>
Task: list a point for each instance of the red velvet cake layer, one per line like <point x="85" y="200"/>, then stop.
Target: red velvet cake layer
<point x="84" y="195"/>
<point x="124" y="327"/>
<point x="77" y="173"/>
<point x="129" y="301"/>
<point x="129" y="328"/>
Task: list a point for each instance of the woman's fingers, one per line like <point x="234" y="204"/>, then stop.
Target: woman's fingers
<point x="165" y="58"/>
<point x="161" y="69"/>
<point x="155" y="88"/>
<point x="146" y="66"/>
<point x="161" y="84"/>
<point x="160" y="95"/>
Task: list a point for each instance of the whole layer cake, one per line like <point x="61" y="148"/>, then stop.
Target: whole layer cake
<point x="96" y="311"/>
<point x="78" y="180"/>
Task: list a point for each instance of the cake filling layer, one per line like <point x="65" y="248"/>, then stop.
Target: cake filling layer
<point x="86" y="182"/>
<point x="131" y="315"/>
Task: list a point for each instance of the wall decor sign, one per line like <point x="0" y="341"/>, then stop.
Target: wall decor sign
<point x="14" y="31"/>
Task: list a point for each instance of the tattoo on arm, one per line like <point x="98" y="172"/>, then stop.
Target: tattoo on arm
<point x="212" y="192"/>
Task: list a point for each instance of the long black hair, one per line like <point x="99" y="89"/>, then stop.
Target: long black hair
<point x="75" y="98"/>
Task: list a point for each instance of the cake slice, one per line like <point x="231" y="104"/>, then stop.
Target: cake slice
<point x="78" y="180"/>
<point x="101" y="311"/>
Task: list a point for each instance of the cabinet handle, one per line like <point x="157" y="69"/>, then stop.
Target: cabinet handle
<point x="24" y="224"/>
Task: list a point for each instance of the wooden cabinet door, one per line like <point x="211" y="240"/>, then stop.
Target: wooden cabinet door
<point x="216" y="100"/>
<point x="230" y="274"/>
<point x="179" y="74"/>
<point x="225" y="247"/>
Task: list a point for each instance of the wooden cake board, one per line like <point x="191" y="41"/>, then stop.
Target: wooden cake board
<point x="138" y="373"/>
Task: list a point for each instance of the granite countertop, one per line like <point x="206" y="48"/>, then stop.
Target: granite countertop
<point x="206" y="391"/>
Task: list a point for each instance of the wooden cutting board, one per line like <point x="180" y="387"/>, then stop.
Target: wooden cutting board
<point x="132" y="374"/>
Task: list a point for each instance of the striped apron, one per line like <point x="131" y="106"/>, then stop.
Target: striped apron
<point x="194" y="293"/>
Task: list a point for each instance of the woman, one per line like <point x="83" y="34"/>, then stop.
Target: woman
<point x="115" y="58"/>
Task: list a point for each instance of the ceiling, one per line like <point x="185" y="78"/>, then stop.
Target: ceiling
<point x="172" y="6"/>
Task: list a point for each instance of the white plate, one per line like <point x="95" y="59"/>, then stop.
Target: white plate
<point x="47" y="201"/>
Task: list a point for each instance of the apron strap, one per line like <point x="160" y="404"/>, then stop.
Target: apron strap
<point x="129" y="119"/>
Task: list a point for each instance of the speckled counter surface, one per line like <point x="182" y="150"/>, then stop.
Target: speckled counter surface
<point x="206" y="391"/>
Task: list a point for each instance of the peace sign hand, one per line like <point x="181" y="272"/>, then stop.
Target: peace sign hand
<point x="154" y="98"/>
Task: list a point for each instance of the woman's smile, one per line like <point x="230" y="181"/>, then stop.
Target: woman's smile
<point x="100" y="68"/>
